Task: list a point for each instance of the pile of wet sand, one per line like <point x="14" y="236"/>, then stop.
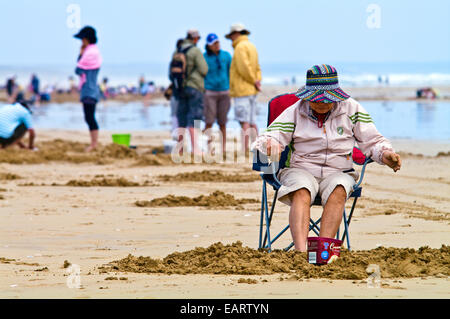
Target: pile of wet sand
<point x="215" y="199"/>
<point x="9" y="176"/>
<point x="210" y="176"/>
<point x="235" y="259"/>
<point x="59" y="150"/>
<point x="98" y="182"/>
<point x="410" y="209"/>
<point x="104" y="182"/>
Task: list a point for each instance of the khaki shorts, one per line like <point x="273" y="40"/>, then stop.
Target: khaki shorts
<point x="217" y="105"/>
<point x="245" y="109"/>
<point x="293" y="179"/>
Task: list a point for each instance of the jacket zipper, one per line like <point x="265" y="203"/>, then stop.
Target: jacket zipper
<point x="329" y="118"/>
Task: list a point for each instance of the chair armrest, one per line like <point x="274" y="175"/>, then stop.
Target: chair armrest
<point x="363" y="170"/>
<point x="262" y="163"/>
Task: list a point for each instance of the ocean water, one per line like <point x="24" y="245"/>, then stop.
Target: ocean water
<point x="350" y="74"/>
<point x="402" y="119"/>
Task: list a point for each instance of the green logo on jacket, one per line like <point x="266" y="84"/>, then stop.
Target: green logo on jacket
<point x="340" y="130"/>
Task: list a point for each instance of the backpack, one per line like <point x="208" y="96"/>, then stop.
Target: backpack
<point x="177" y="70"/>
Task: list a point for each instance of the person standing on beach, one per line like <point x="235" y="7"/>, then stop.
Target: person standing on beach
<point x="190" y="99"/>
<point x="245" y="81"/>
<point x="217" y="86"/>
<point x="11" y="89"/>
<point x="88" y="67"/>
<point x="173" y="97"/>
<point x="34" y="89"/>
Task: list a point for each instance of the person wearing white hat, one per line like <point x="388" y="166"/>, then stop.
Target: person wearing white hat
<point x="245" y="81"/>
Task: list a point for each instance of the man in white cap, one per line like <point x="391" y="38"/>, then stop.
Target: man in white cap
<point x="245" y="81"/>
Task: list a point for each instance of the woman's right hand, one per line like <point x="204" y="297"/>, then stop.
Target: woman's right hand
<point x="273" y="149"/>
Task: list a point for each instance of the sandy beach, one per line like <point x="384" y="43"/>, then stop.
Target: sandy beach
<point x="62" y="208"/>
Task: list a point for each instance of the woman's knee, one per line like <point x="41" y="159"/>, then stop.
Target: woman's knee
<point x="339" y="193"/>
<point x="302" y="194"/>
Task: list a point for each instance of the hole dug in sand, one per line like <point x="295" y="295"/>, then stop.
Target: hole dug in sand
<point x="234" y="259"/>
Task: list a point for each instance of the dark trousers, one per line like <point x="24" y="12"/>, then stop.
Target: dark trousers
<point x="19" y="132"/>
<point x="190" y="107"/>
<point x="89" y="115"/>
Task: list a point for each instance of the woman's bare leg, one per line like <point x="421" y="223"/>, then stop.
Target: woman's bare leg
<point x="299" y="216"/>
<point x="94" y="140"/>
<point x="332" y="212"/>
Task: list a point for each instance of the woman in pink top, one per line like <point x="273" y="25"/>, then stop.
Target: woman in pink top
<point x="88" y="67"/>
<point x="321" y="130"/>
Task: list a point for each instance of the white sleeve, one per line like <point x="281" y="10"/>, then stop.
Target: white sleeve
<point x="281" y="130"/>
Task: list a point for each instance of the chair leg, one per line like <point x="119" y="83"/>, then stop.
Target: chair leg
<point x="313" y="225"/>
<point x="277" y="236"/>
<point x="351" y="211"/>
<point x="346" y="230"/>
<point x="348" y="221"/>
<point x="266" y="210"/>
<point x="263" y="203"/>
<point x="289" y="247"/>
<point x="270" y="216"/>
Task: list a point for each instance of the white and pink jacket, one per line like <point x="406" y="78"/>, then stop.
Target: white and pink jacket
<point x="327" y="149"/>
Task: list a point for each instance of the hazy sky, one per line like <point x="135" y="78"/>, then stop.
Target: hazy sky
<point x="132" y="31"/>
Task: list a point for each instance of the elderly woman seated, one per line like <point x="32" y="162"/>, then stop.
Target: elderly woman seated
<point x="321" y="130"/>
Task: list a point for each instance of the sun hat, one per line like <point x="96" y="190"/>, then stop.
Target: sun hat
<point x="193" y="33"/>
<point x="88" y="33"/>
<point x="322" y="85"/>
<point x="211" y="38"/>
<point x="237" y="27"/>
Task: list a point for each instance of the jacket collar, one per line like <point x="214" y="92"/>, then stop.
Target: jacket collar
<point x="240" y="39"/>
<point x="306" y="111"/>
<point x="187" y="43"/>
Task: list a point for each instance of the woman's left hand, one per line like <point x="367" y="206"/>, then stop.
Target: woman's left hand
<point x="83" y="47"/>
<point x="392" y="160"/>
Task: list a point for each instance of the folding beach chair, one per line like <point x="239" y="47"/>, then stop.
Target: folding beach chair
<point x="269" y="172"/>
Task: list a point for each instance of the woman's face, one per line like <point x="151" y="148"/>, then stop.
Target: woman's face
<point x="215" y="47"/>
<point x="320" y="107"/>
<point x="85" y="42"/>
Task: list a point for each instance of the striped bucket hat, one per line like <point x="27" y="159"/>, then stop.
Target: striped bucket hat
<point x="322" y="85"/>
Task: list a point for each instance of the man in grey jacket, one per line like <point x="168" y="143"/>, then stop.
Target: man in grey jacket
<point x="190" y="106"/>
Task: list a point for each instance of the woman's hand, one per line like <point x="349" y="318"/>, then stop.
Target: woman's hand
<point x="83" y="47"/>
<point x="273" y="149"/>
<point x="392" y="160"/>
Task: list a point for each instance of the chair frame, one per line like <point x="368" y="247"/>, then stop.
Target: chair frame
<point x="269" y="173"/>
<point x="269" y="177"/>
